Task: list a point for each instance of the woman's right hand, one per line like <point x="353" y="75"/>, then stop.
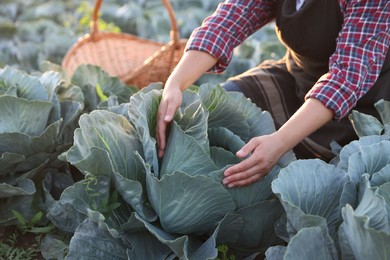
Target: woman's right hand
<point x="171" y="100"/>
<point x="191" y="66"/>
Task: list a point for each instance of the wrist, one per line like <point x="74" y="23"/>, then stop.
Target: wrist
<point x="283" y="142"/>
<point x="310" y="117"/>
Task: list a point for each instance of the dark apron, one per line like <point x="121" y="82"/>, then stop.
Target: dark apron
<point x="280" y="86"/>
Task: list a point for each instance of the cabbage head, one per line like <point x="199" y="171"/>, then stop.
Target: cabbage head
<point x="131" y="204"/>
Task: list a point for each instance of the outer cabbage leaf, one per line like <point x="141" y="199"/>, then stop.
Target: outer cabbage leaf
<point x="186" y="246"/>
<point x="299" y="248"/>
<point x="369" y="160"/>
<point x="107" y="143"/>
<point x="9" y="161"/>
<point x="384" y="191"/>
<point x="275" y="252"/>
<point x="21" y="187"/>
<point x="310" y="192"/>
<point x="52" y="82"/>
<point x="142" y="115"/>
<point x="222" y="158"/>
<point x="23" y="116"/>
<point x="229" y="228"/>
<point x="93" y="239"/>
<point x="107" y="131"/>
<point x="23" y="144"/>
<point x="372" y="206"/>
<point x="365" y="125"/>
<point x="87" y="74"/>
<point x="256" y="192"/>
<point x="184" y="153"/>
<point x="236" y="113"/>
<point x="70" y="112"/>
<point x="312" y="186"/>
<point x="193" y="121"/>
<point x="21" y="203"/>
<point x="383" y="108"/>
<point x="356" y="146"/>
<point x="52" y="247"/>
<point x="224" y="138"/>
<point x="28" y="87"/>
<point x="188" y="204"/>
<point x="362" y="241"/>
<point x="223" y="110"/>
<point x="91" y="193"/>
<point x="257" y="233"/>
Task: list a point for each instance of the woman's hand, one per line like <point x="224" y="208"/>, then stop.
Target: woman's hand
<point x="190" y="67"/>
<point x="264" y="152"/>
<point x="171" y="100"/>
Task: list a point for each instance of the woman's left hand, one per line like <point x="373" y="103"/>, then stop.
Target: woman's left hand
<point x="264" y="152"/>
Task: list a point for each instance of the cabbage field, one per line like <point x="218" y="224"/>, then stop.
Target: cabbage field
<point x="79" y="172"/>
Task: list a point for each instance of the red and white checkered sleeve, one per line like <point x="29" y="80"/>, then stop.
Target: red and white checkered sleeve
<point x="231" y="23"/>
<point x="361" y="49"/>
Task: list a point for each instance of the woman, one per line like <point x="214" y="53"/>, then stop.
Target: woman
<point x="337" y="60"/>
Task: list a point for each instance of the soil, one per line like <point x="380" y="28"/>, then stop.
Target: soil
<point x="24" y="240"/>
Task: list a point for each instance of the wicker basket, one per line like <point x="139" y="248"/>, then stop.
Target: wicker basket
<point x="136" y="61"/>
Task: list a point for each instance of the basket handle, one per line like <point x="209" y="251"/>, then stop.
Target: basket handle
<point x="174" y="33"/>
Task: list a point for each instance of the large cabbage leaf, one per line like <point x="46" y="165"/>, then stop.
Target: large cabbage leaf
<point x="318" y="248"/>
<point x="142" y="111"/>
<point x="97" y="85"/>
<point x="189" y="204"/>
<point x="372" y="159"/>
<point x="365" y="231"/>
<point x="183" y="153"/>
<point x="110" y="137"/>
<point x="310" y="192"/>
<point x="366" y="125"/>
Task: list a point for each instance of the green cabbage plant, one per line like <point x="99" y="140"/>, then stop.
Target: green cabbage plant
<point x="37" y="120"/>
<point x="339" y="210"/>
<point x="38" y="116"/>
<point x="131" y="204"/>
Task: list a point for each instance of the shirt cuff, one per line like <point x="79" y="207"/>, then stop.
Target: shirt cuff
<point x="215" y="42"/>
<point x="335" y="93"/>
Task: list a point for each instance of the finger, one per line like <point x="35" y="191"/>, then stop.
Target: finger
<point x="170" y="112"/>
<point x="247" y="181"/>
<point x="165" y="118"/>
<point x="244" y="174"/>
<point x="161" y="130"/>
<point x="247" y="148"/>
<point x="243" y="166"/>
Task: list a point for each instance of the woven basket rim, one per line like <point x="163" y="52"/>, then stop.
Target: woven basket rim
<point x="166" y="47"/>
<point x="104" y="36"/>
<point x="151" y="49"/>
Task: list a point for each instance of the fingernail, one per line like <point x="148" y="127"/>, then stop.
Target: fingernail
<point x="230" y="185"/>
<point x="240" y="152"/>
<point x="167" y="118"/>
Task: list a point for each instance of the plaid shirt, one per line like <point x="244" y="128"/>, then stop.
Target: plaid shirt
<point x="353" y="68"/>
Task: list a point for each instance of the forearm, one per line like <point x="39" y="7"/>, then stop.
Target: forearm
<point x="192" y="65"/>
<point x="308" y="118"/>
